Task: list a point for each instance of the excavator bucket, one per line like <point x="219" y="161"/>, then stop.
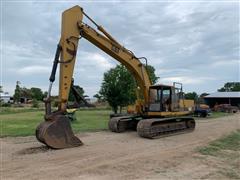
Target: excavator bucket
<point x="57" y="133"/>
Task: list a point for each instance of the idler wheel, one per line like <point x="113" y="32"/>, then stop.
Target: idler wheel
<point x="191" y="124"/>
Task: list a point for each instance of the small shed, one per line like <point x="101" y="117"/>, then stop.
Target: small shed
<point x="232" y="98"/>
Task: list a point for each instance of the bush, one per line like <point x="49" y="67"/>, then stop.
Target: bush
<point x="35" y="103"/>
<point x="55" y="103"/>
<point x="5" y="104"/>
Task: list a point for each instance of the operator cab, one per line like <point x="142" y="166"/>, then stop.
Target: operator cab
<point x="164" y="98"/>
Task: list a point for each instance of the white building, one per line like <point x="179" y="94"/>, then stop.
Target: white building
<point x="5" y="97"/>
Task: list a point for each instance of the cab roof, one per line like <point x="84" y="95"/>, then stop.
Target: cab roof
<point x="160" y="85"/>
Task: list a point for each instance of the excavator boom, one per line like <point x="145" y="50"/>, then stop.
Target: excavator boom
<point x="56" y="130"/>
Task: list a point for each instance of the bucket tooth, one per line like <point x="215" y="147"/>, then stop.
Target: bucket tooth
<point x="57" y="133"/>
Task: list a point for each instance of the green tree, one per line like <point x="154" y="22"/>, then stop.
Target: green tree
<point x="79" y="90"/>
<point x="35" y="103"/>
<point x="230" y="86"/>
<point x="17" y="93"/>
<point x="25" y="92"/>
<point x="99" y="97"/>
<point x="45" y="94"/>
<point x="1" y="90"/>
<point x="116" y="86"/>
<point x="151" y="74"/>
<point x="191" y="95"/>
<point x="119" y="87"/>
<point x="36" y="93"/>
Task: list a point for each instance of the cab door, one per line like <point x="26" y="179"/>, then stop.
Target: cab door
<point x="159" y="99"/>
<point x="154" y="100"/>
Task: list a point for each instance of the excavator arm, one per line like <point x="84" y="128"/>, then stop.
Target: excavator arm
<point x="73" y="28"/>
<point x="56" y="131"/>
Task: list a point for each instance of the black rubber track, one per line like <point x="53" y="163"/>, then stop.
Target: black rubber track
<point x="156" y="128"/>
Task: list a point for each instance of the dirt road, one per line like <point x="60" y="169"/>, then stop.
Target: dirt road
<point x="107" y="155"/>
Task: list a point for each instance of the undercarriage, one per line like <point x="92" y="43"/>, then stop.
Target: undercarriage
<point x="152" y="127"/>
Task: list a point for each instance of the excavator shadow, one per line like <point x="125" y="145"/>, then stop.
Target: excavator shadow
<point x="34" y="150"/>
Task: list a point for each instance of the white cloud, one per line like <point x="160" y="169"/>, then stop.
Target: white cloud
<point x="100" y="61"/>
<point x="181" y="11"/>
<point x="33" y="70"/>
<point x="166" y="71"/>
<point x="224" y="63"/>
<point x="186" y="80"/>
<point x="189" y="49"/>
<point x="93" y="62"/>
<point x="19" y="52"/>
<point x="189" y="42"/>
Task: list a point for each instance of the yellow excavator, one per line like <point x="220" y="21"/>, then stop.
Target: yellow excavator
<point x="159" y="109"/>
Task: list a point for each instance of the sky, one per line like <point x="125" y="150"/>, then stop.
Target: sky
<point x="192" y="42"/>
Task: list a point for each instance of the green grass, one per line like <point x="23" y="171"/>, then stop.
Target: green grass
<point x="230" y="142"/>
<point x="215" y="115"/>
<point x="13" y="110"/>
<point x="226" y="151"/>
<point x="20" y="124"/>
<point x="219" y="114"/>
<point x="25" y="123"/>
<point x="91" y="120"/>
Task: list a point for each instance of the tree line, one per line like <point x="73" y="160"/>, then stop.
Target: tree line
<point x="118" y="88"/>
<point x="37" y="94"/>
<point x="29" y="93"/>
